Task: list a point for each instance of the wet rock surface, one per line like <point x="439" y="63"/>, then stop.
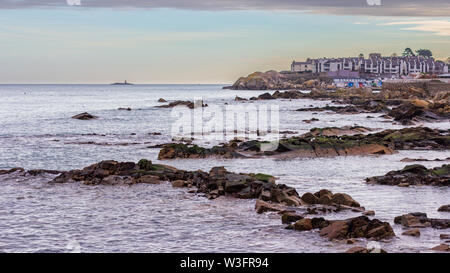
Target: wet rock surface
<point x="314" y="145"/>
<point x="445" y="208"/>
<point x="441" y="248"/>
<point x="420" y="220"/>
<point x="84" y="116"/>
<point x="358" y="227"/>
<point x="217" y="182"/>
<point x="415" y="175"/>
<point x="418" y="111"/>
<point x="189" y="104"/>
<point x="363" y="250"/>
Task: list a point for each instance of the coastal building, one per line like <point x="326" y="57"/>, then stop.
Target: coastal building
<point x="375" y="65"/>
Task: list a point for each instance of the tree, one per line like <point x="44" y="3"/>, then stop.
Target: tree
<point x="394" y="55"/>
<point x="424" y="53"/>
<point x="361" y="55"/>
<point x="408" y="52"/>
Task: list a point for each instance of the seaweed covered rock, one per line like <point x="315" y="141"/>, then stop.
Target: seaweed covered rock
<point x="313" y="145"/>
<point x="415" y="175"/>
<point x="178" y="150"/>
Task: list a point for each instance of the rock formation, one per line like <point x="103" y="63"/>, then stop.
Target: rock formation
<point x="415" y="175"/>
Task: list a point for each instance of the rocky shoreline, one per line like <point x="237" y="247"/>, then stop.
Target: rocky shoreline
<point x="415" y="175"/>
<point x="312" y="145"/>
<point x="283" y="200"/>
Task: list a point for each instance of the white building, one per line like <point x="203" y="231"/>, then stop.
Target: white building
<point x="375" y="64"/>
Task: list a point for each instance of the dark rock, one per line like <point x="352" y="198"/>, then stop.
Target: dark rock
<point x="189" y="104"/>
<point x="445" y="208"/>
<point x="310" y="146"/>
<point x="415" y="175"/>
<point x="442" y="248"/>
<point x="84" y="116"/>
<point x="303" y="225"/>
<point x="290" y="217"/>
<point x="310" y="198"/>
<point x="420" y="220"/>
<point x="262" y="206"/>
<point x="359" y="227"/>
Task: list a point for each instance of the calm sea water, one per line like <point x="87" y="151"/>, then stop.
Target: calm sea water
<point x="36" y="131"/>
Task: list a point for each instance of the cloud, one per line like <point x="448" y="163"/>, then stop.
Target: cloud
<point x="438" y="27"/>
<point x="438" y="8"/>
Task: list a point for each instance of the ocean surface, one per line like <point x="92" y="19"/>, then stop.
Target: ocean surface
<point x="37" y="132"/>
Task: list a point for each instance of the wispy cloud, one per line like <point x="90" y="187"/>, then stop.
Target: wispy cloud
<point x="438" y="27"/>
<point x="440" y="8"/>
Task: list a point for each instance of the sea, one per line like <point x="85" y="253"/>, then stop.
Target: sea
<point x="37" y="132"/>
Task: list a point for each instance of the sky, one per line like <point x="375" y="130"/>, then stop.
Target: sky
<point x="199" y="41"/>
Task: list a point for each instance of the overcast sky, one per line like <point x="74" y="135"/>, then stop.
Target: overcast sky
<point x="200" y="41"/>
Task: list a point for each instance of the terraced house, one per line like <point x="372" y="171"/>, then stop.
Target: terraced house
<point x="374" y="65"/>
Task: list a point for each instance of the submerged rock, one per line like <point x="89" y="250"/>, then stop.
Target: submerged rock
<point x="415" y="175"/>
<point x="84" y="116"/>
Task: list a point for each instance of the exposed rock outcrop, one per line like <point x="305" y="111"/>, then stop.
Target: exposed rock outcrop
<point x="84" y="116"/>
<point x="420" y="220"/>
<point x="326" y="197"/>
<point x="445" y="208"/>
<point x="310" y="146"/>
<point x="270" y="80"/>
<point x="415" y="175"/>
<point x="189" y="104"/>
<point x="216" y="183"/>
<point x="417" y="111"/>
